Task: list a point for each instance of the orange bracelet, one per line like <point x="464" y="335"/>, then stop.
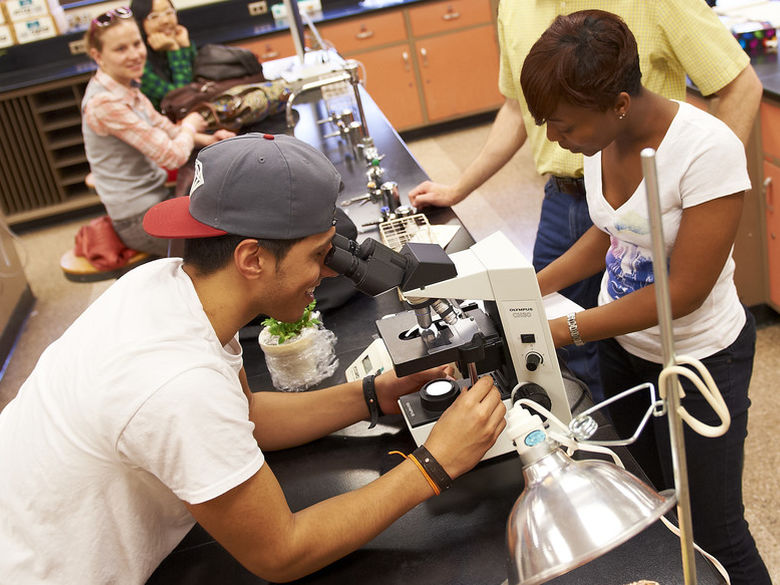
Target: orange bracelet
<point x="428" y="478"/>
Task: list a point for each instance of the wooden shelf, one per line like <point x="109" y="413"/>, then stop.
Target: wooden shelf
<point x="64" y="121"/>
<point x="72" y="204"/>
<point x="66" y="141"/>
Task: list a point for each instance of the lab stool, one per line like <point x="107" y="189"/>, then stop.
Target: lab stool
<point x="78" y="268"/>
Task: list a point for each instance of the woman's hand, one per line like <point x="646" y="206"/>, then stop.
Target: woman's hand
<point x="389" y="387"/>
<point x="182" y="37"/>
<point x="195" y="122"/>
<point x="221" y="134"/>
<point x="162" y="42"/>
<point x="205" y="139"/>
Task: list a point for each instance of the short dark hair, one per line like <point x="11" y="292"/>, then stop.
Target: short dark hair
<point x="207" y="255"/>
<point x="585" y="58"/>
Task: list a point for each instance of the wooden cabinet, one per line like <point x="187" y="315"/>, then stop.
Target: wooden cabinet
<point x="364" y="32"/>
<point x="392" y="84"/>
<point x="772" y="201"/>
<point x="380" y="42"/>
<point x="459" y="73"/>
<point x="42" y="159"/>
<point x="750" y="273"/>
<point x="770" y="141"/>
<point x="429" y="63"/>
<point x="270" y="47"/>
<point x="446" y="16"/>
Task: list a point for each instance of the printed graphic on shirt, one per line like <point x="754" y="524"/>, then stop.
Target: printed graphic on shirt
<point x="628" y="269"/>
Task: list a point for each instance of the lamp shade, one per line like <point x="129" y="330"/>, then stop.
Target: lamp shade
<point x="571" y="512"/>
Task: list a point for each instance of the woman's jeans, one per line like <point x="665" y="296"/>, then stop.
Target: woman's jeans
<point x="564" y="219"/>
<point x="714" y="464"/>
<point x="131" y="232"/>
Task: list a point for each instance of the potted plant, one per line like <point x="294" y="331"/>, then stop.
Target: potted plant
<point x="298" y="354"/>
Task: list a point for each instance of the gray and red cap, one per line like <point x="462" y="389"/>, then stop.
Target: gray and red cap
<point x="265" y="186"/>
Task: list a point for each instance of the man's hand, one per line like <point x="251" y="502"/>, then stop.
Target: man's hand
<point x="162" y="42"/>
<point x="390" y="387"/>
<point x="468" y="428"/>
<point x="436" y="194"/>
<point x="182" y="37"/>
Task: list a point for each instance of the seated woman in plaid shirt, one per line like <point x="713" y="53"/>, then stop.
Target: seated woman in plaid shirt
<point x="129" y="143"/>
<point x="170" y="54"/>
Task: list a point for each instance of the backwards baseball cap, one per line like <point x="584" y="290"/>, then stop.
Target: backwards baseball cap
<point x="255" y="185"/>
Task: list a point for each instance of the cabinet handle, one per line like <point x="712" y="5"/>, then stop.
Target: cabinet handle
<point x="768" y="194"/>
<point x="450" y="14"/>
<point x="269" y="55"/>
<point x="364" y="34"/>
<point x="424" y="55"/>
<point x="405" y="57"/>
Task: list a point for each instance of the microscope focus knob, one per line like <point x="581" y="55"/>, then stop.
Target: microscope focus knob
<point x="533" y="359"/>
<point x="437" y="395"/>
<point x="534" y="392"/>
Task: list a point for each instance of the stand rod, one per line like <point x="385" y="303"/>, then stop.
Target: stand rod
<point x="664" y="308"/>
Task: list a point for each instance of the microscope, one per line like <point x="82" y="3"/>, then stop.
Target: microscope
<point x="501" y="329"/>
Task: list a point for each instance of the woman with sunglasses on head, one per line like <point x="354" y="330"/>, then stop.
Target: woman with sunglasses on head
<point x="170" y="53"/>
<point x="582" y="78"/>
<point x="128" y="143"/>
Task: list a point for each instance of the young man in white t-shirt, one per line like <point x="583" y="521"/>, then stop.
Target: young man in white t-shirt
<point x="138" y="421"/>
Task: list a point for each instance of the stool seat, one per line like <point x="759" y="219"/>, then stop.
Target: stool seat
<point x="78" y="268"/>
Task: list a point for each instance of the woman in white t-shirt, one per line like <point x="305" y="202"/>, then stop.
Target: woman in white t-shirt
<point x="582" y="79"/>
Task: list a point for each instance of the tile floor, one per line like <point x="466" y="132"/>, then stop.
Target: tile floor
<point x="511" y="202"/>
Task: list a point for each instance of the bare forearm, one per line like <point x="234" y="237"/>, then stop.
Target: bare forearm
<point x="507" y="135"/>
<point x="254" y="523"/>
<point x="738" y="102"/>
<point x="306" y="416"/>
<point x="585" y="258"/>
<point x="634" y="312"/>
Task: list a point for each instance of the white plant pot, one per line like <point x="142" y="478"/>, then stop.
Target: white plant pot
<point x="301" y="362"/>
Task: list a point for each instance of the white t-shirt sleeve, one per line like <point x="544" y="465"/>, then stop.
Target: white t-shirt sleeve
<point x="194" y="435"/>
<point x="717" y="165"/>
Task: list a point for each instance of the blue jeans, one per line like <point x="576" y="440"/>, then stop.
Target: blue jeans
<point x="564" y="219"/>
<point x="714" y="465"/>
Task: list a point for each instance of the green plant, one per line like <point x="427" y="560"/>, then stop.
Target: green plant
<point x="284" y="331"/>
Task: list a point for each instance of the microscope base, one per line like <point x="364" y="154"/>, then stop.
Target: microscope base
<point x="420" y="421"/>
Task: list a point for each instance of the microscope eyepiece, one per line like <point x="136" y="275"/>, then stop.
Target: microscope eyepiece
<point x="376" y="268"/>
<point x="372" y="266"/>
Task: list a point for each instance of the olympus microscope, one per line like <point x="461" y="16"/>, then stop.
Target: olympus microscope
<point x="500" y="329"/>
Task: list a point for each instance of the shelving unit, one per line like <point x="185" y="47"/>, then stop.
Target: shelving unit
<point x="42" y="159"/>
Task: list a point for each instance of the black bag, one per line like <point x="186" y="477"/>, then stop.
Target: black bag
<point x="218" y="62"/>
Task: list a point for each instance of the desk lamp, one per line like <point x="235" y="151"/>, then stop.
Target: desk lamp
<point x="571" y="512"/>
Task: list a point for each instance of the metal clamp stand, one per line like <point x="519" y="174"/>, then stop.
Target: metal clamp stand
<point x="664" y="307"/>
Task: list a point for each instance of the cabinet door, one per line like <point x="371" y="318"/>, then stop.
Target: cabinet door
<point x="449" y="15"/>
<point x="459" y="72"/>
<point x="270" y="47"/>
<point x="391" y="83"/>
<point x="363" y="32"/>
<point x="770" y="130"/>
<point x="772" y="202"/>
